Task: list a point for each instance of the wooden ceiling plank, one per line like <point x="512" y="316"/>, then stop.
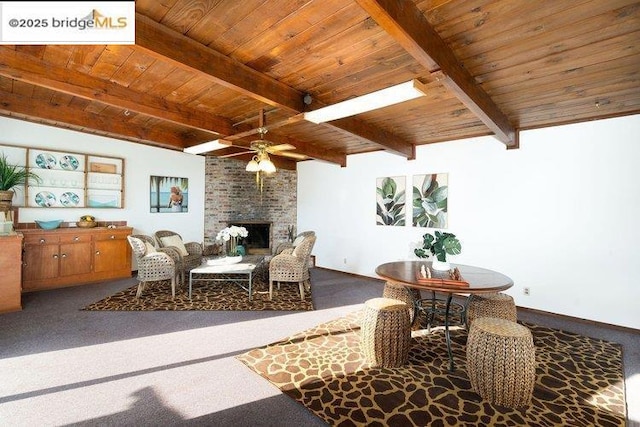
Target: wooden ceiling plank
<point x="132" y="68"/>
<point x="536" y="24"/>
<point x="592" y="74"/>
<point x="290" y="34"/>
<point x="19" y="67"/>
<point x="170" y="45"/>
<point x="557" y="65"/>
<point x="57" y="55"/>
<point x="210" y="29"/>
<point x="84" y="57"/>
<point x="96" y="122"/>
<point x="403" y="21"/>
<point x="546" y="45"/>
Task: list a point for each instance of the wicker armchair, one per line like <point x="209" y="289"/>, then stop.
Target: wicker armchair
<point x="150" y="244"/>
<point x="190" y="252"/>
<point x="292" y="266"/>
<point x="152" y="266"/>
<point x="287" y="247"/>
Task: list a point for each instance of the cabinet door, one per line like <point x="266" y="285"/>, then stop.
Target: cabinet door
<point x="40" y="262"/>
<point x="112" y="254"/>
<point x="75" y="258"/>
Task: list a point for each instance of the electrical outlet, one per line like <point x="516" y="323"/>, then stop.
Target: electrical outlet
<point x="526" y="291"/>
<point x="344" y="260"/>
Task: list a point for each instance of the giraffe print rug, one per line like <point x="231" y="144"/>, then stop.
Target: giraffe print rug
<point x="206" y="296"/>
<point x="579" y="380"/>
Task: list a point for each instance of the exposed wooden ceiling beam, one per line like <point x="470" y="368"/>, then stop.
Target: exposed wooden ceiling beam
<point x="167" y="44"/>
<point x="36" y="110"/>
<point x="28" y="69"/>
<point x="164" y="43"/>
<point x="408" y="26"/>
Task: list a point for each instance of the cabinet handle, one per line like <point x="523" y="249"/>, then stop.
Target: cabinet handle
<point x="76" y="238"/>
<point x="113" y="237"/>
<point x="55" y="256"/>
<point x="97" y="252"/>
<point x="42" y="241"/>
<point x="64" y="255"/>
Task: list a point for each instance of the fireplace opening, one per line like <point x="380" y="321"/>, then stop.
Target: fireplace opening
<point x="259" y="238"/>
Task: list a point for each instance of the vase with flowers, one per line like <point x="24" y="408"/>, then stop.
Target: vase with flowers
<point x="230" y="237"/>
<point x="439" y="245"/>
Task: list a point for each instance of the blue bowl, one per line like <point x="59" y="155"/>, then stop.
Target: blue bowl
<point x="49" y="225"/>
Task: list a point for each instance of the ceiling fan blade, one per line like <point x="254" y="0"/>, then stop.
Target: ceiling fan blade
<point x="280" y="147"/>
<point x="297" y="156"/>
<point x="239" y="153"/>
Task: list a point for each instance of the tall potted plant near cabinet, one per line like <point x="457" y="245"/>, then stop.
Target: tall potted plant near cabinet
<point x="12" y="176"/>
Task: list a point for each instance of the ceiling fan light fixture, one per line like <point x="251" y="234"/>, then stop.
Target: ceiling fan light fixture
<point x="253" y="165"/>
<point x="372" y="101"/>
<point x="267" y="166"/>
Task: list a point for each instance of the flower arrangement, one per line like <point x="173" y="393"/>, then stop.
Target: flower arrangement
<point x="231" y="234"/>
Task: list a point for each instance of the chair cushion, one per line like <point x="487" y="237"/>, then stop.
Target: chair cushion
<point x="297" y="250"/>
<point x="298" y="240"/>
<point x="150" y="248"/>
<point x="174" y="241"/>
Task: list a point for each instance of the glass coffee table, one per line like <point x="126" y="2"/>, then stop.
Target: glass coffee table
<point x="227" y="269"/>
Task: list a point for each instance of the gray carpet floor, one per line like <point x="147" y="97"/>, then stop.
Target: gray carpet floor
<point x="63" y="366"/>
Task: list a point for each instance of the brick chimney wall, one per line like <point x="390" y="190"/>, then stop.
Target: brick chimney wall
<point x="231" y="194"/>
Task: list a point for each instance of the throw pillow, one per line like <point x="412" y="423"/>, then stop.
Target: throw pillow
<point x="150" y="248"/>
<point x="297" y="251"/>
<point x="175" y="241"/>
<point x="298" y="240"/>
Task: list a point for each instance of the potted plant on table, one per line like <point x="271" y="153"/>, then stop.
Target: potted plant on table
<point x="439" y="245"/>
<point x="12" y="176"/>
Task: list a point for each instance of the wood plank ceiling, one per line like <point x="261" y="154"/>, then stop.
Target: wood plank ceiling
<point x="205" y="69"/>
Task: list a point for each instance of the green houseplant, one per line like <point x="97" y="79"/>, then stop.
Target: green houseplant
<point x="439" y="245"/>
<point x="12" y="176"/>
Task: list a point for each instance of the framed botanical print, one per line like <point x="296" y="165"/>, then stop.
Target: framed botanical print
<point x="390" y="200"/>
<point x="430" y="200"/>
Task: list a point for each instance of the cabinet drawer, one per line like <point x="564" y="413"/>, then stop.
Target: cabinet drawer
<point x="114" y="235"/>
<point x="41" y="239"/>
<point x="75" y="238"/>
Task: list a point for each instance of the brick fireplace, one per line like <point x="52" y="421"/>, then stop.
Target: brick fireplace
<point x="231" y="197"/>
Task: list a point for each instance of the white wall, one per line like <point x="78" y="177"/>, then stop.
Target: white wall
<point x="560" y="215"/>
<point x="141" y="162"/>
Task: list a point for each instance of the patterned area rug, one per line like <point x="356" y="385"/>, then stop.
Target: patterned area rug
<point x="579" y="380"/>
<point x="207" y="296"/>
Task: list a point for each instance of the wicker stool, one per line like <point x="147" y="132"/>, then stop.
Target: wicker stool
<point x="491" y="305"/>
<point x="404" y="294"/>
<point x="385" y="332"/>
<point x="501" y="361"/>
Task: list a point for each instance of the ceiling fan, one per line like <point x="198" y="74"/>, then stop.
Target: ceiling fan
<point x="262" y="148"/>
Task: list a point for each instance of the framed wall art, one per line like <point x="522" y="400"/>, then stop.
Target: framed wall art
<point x="390" y="200"/>
<point x="430" y="200"/>
<point x="169" y="194"/>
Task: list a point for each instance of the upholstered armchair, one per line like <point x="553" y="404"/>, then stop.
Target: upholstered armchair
<point x="292" y="265"/>
<point x="287" y="247"/>
<point x="190" y="252"/>
<point x="152" y="265"/>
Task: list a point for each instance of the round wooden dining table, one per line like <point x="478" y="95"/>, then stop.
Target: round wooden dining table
<point x="472" y="280"/>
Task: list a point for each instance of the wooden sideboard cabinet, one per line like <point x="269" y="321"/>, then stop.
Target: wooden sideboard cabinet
<point x="73" y="256"/>
<point x="10" y="259"/>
